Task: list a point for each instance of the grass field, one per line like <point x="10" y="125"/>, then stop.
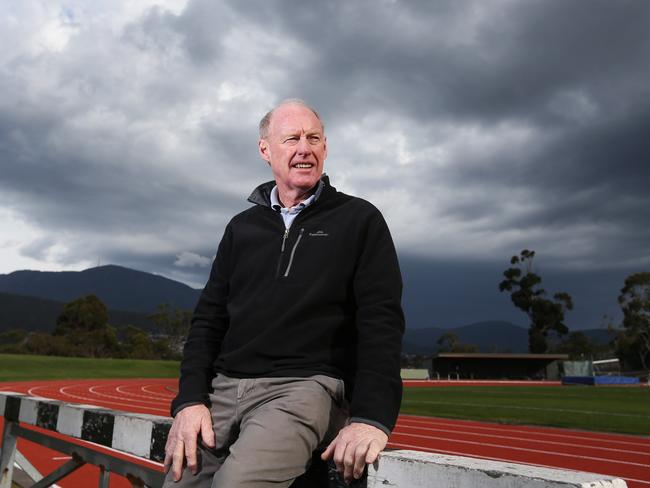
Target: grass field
<point x="608" y="409"/>
<point x="17" y="367"/>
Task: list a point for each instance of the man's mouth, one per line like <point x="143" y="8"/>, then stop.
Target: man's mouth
<point x="303" y="165"/>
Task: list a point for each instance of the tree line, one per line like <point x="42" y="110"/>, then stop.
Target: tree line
<point x="548" y="332"/>
<point x="82" y="330"/>
<point x="631" y="341"/>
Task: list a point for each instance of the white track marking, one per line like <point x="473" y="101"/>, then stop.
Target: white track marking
<point x="499" y="429"/>
<point x="524" y="449"/>
<point x="444" y="451"/>
<point x="131" y="395"/>
<point x="161" y="396"/>
<point x="93" y="389"/>
<point x="525" y="439"/>
<point x="563" y="410"/>
<point x="90" y="400"/>
<point x="435" y="383"/>
<point x="32" y="390"/>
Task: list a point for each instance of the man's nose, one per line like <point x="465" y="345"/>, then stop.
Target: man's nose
<point x="303" y="146"/>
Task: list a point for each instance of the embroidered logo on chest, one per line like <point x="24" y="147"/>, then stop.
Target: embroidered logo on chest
<point x="318" y="233"/>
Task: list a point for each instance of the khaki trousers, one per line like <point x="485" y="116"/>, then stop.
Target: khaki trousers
<point x="266" y="430"/>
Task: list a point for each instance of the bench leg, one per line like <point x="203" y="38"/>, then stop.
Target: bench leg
<point x="7" y="455"/>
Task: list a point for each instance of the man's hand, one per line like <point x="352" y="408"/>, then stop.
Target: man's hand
<point x="355" y="446"/>
<point x="181" y="441"/>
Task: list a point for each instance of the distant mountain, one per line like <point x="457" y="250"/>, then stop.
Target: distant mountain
<point x="600" y="336"/>
<point x="40" y="314"/>
<point x="490" y="336"/>
<point x="118" y="287"/>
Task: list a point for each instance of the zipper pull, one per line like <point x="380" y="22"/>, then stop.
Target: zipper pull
<point x="284" y="239"/>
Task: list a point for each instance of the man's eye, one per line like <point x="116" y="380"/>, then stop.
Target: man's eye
<point x="314" y="138"/>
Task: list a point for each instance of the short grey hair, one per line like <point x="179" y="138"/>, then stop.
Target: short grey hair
<point x="266" y="120"/>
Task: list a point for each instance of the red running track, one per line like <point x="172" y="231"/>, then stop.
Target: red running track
<point x="624" y="456"/>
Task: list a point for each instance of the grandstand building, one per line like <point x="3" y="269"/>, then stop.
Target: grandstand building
<point x="479" y="366"/>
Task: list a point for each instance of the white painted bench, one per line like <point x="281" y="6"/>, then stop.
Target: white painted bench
<point x="141" y="435"/>
<point x="144" y="436"/>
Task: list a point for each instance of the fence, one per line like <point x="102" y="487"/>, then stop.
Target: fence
<point x="141" y="435"/>
<point x="144" y="436"/>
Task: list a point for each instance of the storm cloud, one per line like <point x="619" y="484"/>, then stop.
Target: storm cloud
<point x="128" y="135"/>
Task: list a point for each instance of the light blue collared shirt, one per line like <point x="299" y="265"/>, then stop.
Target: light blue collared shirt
<point x="289" y="214"/>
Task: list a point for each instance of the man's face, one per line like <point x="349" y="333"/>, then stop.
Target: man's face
<point x="295" y="148"/>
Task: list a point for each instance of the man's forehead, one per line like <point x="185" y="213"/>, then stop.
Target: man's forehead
<point x="295" y="118"/>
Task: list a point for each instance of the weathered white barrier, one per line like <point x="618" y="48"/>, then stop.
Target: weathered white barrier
<point x="412" y="469"/>
<point x="141" y="435"/>
<point x="144" y="436"/>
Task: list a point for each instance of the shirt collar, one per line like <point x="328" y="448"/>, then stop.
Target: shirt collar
<point x="275" y="201"/>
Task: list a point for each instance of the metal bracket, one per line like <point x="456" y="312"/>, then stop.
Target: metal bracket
<point x="139" y="476"/>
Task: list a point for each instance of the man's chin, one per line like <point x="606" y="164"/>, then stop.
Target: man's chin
<point x="305" y="184"/>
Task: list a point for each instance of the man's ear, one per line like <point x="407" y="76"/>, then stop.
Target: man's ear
<point x="263" y="148"/>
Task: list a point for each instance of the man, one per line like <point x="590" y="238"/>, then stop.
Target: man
<point x="301" y="322"/>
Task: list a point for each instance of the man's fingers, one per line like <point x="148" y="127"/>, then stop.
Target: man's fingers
<point x="177" y="461"/>
<point x="168" y="454"/>
<point x="207" y="433"/>
<point x="169" y="448"/>
<point x="190" y="455"/>
<point x="167" y="463"/>
<point x="373" y="452"/>
<point x="349" y="462"/>
<point x="359" y="460"/>
<point x="328" y="452"/>
<point x="339" y="452"/>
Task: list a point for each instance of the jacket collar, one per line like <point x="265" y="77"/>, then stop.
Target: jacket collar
<point x="262" y="194"/>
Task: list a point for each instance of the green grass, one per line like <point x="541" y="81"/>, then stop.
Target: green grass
<point x="608" y="409"/>
<point x="18" y="367"/>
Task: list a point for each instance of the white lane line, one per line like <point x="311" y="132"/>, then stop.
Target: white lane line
<point x="434" y="383"/>
<point x="541" y="409"/>
<point x="93" y="390"/>
<point x="89" y="401"/>
<point x="570" y="435"/>
<point x="120" y="389"/>
<point x="635" y="441"/>
<point x="464" y="454"/>
<point x="161" y="395"/>
<point x="525" y="439"/>
<point x="524" y="449"/>
<point x="33" y="389"/>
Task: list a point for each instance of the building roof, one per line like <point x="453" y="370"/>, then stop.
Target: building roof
<point x="481" y="355"/>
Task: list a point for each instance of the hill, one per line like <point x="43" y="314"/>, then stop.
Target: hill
<point x="118" y="287"/>
<point x="40" y="314"/>
<point x="490" y="336"/>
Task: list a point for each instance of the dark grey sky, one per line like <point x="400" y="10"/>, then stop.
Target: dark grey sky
<point x="128" y="135"/>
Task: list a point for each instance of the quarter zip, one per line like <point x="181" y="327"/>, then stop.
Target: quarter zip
<point x="293" y="251"/>
<point x="284" y="241"/>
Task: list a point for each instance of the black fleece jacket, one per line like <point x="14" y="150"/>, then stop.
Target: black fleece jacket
<point x="322" y="298"/>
